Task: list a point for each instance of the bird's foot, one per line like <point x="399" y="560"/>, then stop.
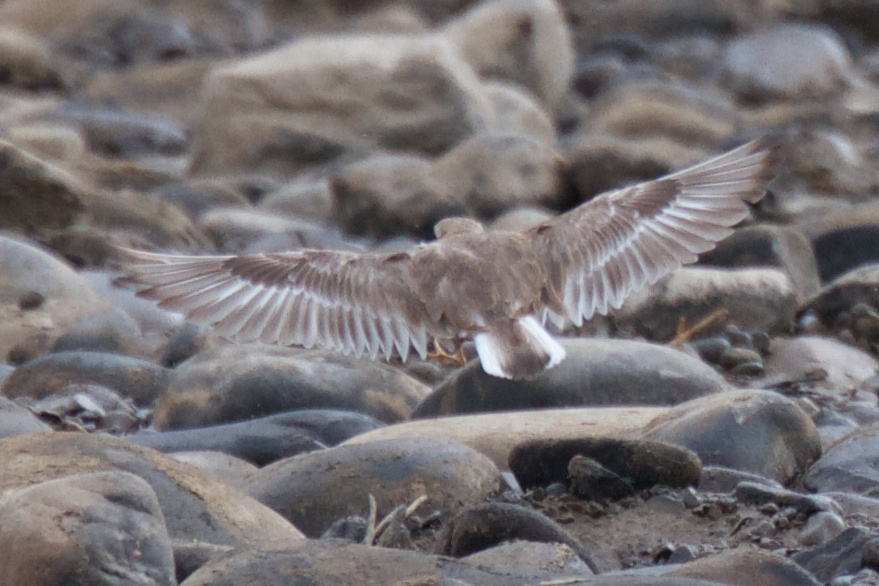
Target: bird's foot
<point x="441" y="354"/>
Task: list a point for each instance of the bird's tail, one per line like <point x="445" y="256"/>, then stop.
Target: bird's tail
<point x="517" y="349"/>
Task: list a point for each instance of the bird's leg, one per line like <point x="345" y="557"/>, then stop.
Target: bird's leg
<point x="440" y="353"/>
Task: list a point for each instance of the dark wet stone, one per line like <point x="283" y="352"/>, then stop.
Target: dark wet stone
<point x="195" y="505"/>
<point x="850" y="465"/>
<point x="136" y="379"/>
<point x="755" y="431"/>
<point x="191" y="555"/>
<point x="484" y="526"/>
<point x="836" y="303"/>
<point x="265" y="439"/>
<point x="721" y="479"/>
<point x="348" y="528"/>
<point x="711" y="349"/>
<point x="765" y="244"/>
<point x="841" y="555"/>
<point x="642" y="463"/>
<point x="188" y="341"/>
<point x="313" y="490"/>
<point x="595" y="372"/>
<point x="238" y="382"/>
<point x="753" y="493"/>
<point x="591" y="481"/>
<point x="97" y="527"/>
<point x="845" y="241"/>
<point x="331" y="563"/>
<point x="16" y="420"/>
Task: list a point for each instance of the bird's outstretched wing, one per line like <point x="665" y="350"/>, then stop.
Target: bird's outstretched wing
<point x="344" y="301"/>
<point x="599" y="252"/>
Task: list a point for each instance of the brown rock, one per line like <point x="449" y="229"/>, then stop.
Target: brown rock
<point x="523" y="41"/>
<point x="756" y="298"/>
<point x="195" y="505"/>
<point x="312" y="490"/>
<point x="409" y="93"/>
<point x="517" y="112"/>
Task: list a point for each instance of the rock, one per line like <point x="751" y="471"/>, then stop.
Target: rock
<point x="591" y="481"/>
<point x="848" y="465"/>
<point x="745" y="566"/>
<point x="826" y="162"/>
<point x="352" y="529"/>
<point x="597" y="164"/>
<point x="493" y="172"/>
<point x="668" y="18"/>
<point x="229" y="469"/>
<point x="163" y="88"/>
<point x="642" y="463"/>
<point x="523" y="41"/>
<point x="821" y="528"/>
<point x="838" y="304"/>
<point x="306" y="199"/>
<point x="190" y="556"/>
<point x="35" y="196"/>
<point x="843" y="369"/>
<point x="240" y="381"/>
<point x="102" y="528"/>
<point x="197" y="196"/>
<point x="484" y="526"/>
<point x="411" y="93"/>
<point x="595" y="372"/>
<point x="517" y="112"/>
<point x="111" y="331"/>
<point x="788" y="61"/>
<point x="844" y="241"/>
<point x="102" y="33"/>
<point x="115" y="133"/>
<point x="388" y="195"/>
<point x="329" y="563"/>
<point x="753" y="493"/>
<point x="195" y="505"/>
<point x="838" y="556"/>
<point x="28" y="63"/>
<point x="139" y="380"/>
<point x="314" y="489"/>
<point x="754" y="299"/>
<point x="755" y="431"/>
<point x="497" y="434"/>
<point x="721" y="479"/>
<point x="688" y="115"/>
<point x="16" y="420"/>
<point x="265" y="439"/>
<point x="767" y="244"/>
<point x="250" y="231"/>
<point x="530" y="555"/>
<point x="856" y="15"/>
<point x="87" y="407"/>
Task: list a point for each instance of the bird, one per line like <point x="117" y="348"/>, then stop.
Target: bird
<point x="498" y="287"/>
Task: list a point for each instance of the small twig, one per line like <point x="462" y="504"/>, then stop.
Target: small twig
<point x="684" y="333"/>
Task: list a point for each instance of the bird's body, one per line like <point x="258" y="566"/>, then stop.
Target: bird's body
<point x="497" y="286"/>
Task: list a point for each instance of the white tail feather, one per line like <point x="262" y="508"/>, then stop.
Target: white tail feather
<point x="521" y="351"/>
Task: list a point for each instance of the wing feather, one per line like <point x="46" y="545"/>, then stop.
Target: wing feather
<point x="353" y="303"/>
<point x="599" y="252"/>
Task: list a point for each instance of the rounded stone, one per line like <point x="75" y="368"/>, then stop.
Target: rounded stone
<point x="139" y="380"/>
<point x="195" y="505"/>
<point x="849" y="465"/>
<point x="596" y="372"/>
<point x="97" y="527"/>
<point x="237" y="382"/>
<point x="755" y="431"/>
<point x="314" y="489"/>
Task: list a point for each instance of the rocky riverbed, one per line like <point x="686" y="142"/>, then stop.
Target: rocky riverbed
<point x="721" y="428"/>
